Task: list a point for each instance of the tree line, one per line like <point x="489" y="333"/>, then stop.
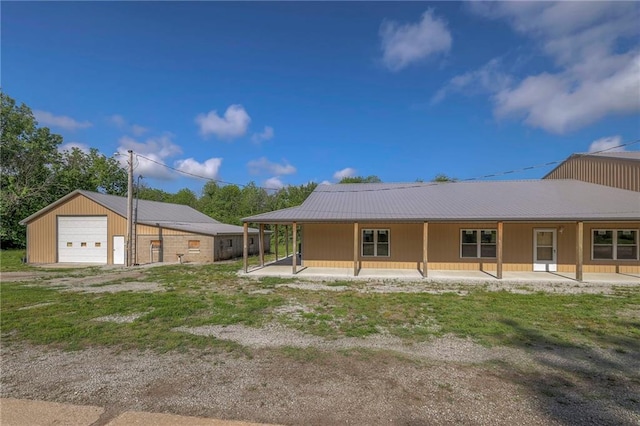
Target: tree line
<point x="34" y="173"/>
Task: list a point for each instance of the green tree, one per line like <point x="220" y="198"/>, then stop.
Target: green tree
<point x="441" y="177"/>
<point x="184" y="196"/>
<point x="361" y="179"/>
<point x="90" y="171"/>
<point x="28" y="159"/>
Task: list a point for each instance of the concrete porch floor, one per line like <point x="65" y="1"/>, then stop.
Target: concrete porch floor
<point x="282" y="268"/>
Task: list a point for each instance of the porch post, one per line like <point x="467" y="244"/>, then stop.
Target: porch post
<point x="294" y="257"/>
<point x="579" y="250"/>
<point x="355" y="249"/>
<point x="261" y="243"/>
<point x="245" y="247"/>
<point x="286" y="240"/>
<point x="499" y="254"/>
<point x="276" y="242"/>
<point x="425" y="246"/>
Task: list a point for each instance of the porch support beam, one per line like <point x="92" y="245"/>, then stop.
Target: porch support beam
<point x="286" y="240"/>
<point x="499" y="252"/>
<point x="261" y="244"/>
<point x="245" y="247"/>
<point x="276" y="242"/>
<point x="355" y="249"/>
<point x="294" y="256"/>
<point x="425" y="247"/>
<point x="579" y="250"/>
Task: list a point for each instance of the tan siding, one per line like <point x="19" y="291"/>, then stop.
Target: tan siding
<point x="42" y="231"/>
<point x="331" y="245"/>
<point x="608" y="171"/>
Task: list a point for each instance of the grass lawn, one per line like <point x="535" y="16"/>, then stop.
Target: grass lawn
<point x="11" y="260"/>
<point x="196" y="295"/>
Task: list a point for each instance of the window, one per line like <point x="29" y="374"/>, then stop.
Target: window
<point x="478" y="243"/>
<point x="251" y="241"/>
<point x="97" y="244"/>
<point x="83" y="244"/>
<point x="229" y="243"/>
<point x="156" y="244"/>
<point x="614" y="244"/>
<point x="194" y="246"/>
<point x="69" y="244"/>
<point x="375" y="242"/>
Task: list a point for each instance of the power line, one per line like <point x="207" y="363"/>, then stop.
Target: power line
<point x="395" y="187"/>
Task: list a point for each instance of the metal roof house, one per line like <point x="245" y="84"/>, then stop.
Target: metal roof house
<point x="90" y="227"/>
<point x="563" y="225"/>
<point x="617" y="169"/>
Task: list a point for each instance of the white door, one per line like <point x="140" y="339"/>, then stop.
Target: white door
<point x="82" y="239"/>
<point x="118" y="249"/>
<point x="544" y="250"/>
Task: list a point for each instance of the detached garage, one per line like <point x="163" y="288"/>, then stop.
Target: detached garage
<point x="89" y="227"/>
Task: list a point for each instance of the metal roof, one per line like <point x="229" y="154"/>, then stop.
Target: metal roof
<point x="168" y="215"/>
<point x="625" y="155"/>
<point x="546" y="200"/>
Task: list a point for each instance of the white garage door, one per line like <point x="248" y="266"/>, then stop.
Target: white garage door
<point x="82" y="239"/>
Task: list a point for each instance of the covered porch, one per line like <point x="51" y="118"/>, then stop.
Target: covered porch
<point x="283" y="268"/>
<point x="359" y="267"/>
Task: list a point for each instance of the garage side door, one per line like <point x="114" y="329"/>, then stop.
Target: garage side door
<point x="82" y="239"/>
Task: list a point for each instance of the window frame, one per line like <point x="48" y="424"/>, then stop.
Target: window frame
<point x="614" y="244"/>
<point x="375" y="242"/>
<point x="193" y="246"/>
<point x="478" y="243"/>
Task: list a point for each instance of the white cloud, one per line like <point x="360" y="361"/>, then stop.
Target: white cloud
<point x="70" y="145"/>
<point x="325" y="182"/>
<point x="404" y="44"/>
<point x="121" y="123"/>
<point x="597" y="72"/>
<point x="266" y="134"/>
<point x="62" y="121"/>
<point x="341" y="174"/>
<point x="487" y="79"/>
<point x="607" y="144"/>
<point x="233" y="125"/>
<point x="262" y="165"/>
<point x="273" y="183"/>
<point x="156" y="149"/>
<point x="138" y="130"/>
<point x="209" y="168"/>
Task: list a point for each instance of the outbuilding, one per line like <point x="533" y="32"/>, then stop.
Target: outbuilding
<point x="90" y="227"/>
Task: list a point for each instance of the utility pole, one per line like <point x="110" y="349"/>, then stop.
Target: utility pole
<point x="130" y="211"/>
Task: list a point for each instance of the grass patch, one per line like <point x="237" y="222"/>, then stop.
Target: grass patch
<point x="214" y="295"/>
<point x="11" y="261"/>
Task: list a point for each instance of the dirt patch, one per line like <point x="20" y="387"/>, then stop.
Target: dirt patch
<point x="314" y="386"/>
<point x="121" y="319"/>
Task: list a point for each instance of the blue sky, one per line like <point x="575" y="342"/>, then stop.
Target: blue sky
<point x="290" y="92"/>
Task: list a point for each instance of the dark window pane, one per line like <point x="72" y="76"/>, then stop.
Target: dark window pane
<point x="469" y="237"/>
<point x="469" y="250"/>
<point x="367" y="249"/>
<point x="626" y="237"/>
<point x="383" y="236"/>
<point x="383" y="249"/>
<point x="603" y="252"/>
<point x="488" y="250"/>
<point x="545" y="253"/>
<point x="627" y="252"/>
<point x="367" y="236"/>
<point x="602" y="237"/>
<point x="488" y="236"/>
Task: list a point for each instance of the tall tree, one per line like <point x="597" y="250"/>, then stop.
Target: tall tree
<point x="91" y="171"/>
<point x="28" y="158"/>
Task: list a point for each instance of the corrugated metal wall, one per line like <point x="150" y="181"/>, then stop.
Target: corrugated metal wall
<point x="42" y="231"/>
<point x="331" y="245"/>
<point x="618" y="173"/>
